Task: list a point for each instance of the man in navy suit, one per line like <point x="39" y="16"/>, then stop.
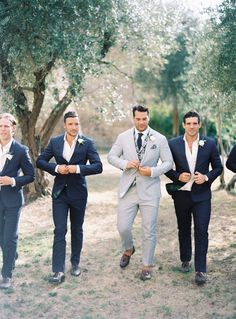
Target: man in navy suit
<point x="231" y="161"/>
<point x="71" y="152"/>
<point x="192" y="154"/>
<point x="14" y="160"/>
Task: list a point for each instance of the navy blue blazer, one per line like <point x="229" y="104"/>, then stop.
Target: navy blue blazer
<point x="14" y="167"/>
<point x="207" y="154"/>
<point x="231" y="161"/>
<point x="83" y="153"/>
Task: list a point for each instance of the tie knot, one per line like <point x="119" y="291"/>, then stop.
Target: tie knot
<point x="140" y="134"/>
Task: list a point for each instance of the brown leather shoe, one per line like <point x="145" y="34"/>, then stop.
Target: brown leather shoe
<point x="145" y="274"/>
<point x="124" y="261"/>
<point x="185" y="266"/>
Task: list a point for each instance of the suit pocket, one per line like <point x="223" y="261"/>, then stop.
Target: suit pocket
<point x="172" y="188"/>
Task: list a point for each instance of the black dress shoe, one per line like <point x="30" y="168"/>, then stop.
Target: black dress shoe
<point x="185" y="266"/>
<point x="75" y="271"/>
<point x="124" y="261"/>
<point x="200" y="278"/>
<point x="57" y="278"/>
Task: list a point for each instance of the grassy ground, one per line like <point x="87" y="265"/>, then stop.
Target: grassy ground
<point x="104" y="290"/>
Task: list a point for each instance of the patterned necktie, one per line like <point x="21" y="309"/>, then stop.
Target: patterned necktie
<point x="139" y="140"/>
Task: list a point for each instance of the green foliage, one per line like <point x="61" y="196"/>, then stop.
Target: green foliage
<point x="211" y="80"/>
<point x="226" y="31"/>
<point x="168" y="81"/>
<point x="75" y="33"/>
<point x="161" y="120"/>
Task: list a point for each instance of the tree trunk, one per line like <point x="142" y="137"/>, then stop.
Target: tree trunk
<point x="39" y="142"/>
<point x="27" y="119"/>
<point x="231" y="184"/>
<point x="175" y="117"/>
<point x="220" y="141"/>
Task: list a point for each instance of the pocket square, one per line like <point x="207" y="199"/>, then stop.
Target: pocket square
<point x="153" y="147"/>
<point x="171" y="188"/>
<point x="56" y="194"/>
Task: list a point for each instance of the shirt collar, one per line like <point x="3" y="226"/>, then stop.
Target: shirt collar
<point x="7" y="147"/>
<point x="144" y="132"/>
<point x="197" y="140"/>
<point x="74" y="140"/>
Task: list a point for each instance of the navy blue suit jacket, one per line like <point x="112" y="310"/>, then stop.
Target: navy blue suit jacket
<point x="20" y="162"/>
<point x="83" y="153"/>
<point x="207" y="155"/>
<point x="231" y="161"/>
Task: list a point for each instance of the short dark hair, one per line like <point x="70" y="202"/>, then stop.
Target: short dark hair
<point x="140" y="108"/>
<point x="191" y="114"/>
<point x="70" y="114"/>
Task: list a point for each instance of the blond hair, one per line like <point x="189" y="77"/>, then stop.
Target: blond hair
<point x="8" y="116"/>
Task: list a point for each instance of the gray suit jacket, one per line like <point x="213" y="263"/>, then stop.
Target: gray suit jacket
<point x="124" y="150"/>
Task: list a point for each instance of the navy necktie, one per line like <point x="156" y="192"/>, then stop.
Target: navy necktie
<point x="139" y="140"/>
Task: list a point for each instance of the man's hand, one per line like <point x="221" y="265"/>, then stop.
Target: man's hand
<point x="72" y="169"/>
<point x="63" y="169"/>
<point x="132" y="164"/>
<point x="145" y="171"/>
<point x="6" y="180"/>
<point x="184" y="177"/>
<point x="199" y="178"/>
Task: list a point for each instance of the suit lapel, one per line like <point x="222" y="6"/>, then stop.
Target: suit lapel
<point x="131" y="137"/>
<point x="11" y="151"/>
<point x="76" y="150"/>
<point x="148" y="146"/>
<point x="60" y="147"/>
<point x="181" y="147"/>
<point x="199" y="153"/>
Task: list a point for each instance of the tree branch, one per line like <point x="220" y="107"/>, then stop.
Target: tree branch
<point x="39" y="92"/>
<point x="54" y="117"/>
<point x="117" y="69"/>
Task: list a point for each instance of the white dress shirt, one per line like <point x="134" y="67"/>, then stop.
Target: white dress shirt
<point x="4" y="151"/>
<point x="191" y="159"/>
<point x="68" y="151"/>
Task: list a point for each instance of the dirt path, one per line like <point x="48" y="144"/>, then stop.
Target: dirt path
<point x="104" y="291"/>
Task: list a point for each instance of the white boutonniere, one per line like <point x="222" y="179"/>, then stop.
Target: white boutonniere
<point x="152" y="138"/>
<point x="9" y="156"/>
<point x="81" y="141"/>
<point x="201" y="143"/>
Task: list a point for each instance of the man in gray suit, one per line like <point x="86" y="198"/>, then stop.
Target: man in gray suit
<point x="137" y="152"/>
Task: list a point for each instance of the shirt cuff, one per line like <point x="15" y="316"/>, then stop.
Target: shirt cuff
<point x="77" y="169"/>
<point x="151" y="172"/>
<point x="206" y="178"/>
<point x="56" y="168"/>
<point x="13" y="182"/>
